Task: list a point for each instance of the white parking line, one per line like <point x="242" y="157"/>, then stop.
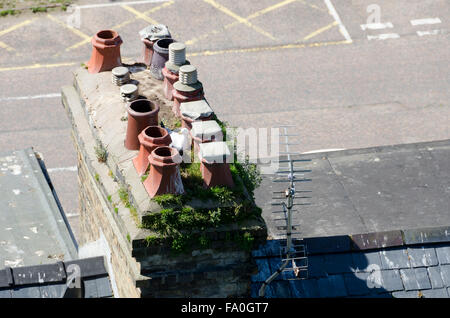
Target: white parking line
<point x="384" y="36"/>
<point x="55" y="95"/>
<point x="432" y="32"/>
<point x="101" y="5"/>
<point x="377" y="26"/>
<point x="336" y="17"/>
<point x="425" y="21"/>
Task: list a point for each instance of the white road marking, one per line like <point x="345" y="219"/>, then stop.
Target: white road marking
<point x="377" y="26"/>
<point x="432" y="32"/>
<point x="384" y="36"/>
<point x="72" y="168"/>
<point x="336" y="17"/>
<point x="55" y="95"/>
<point x="425" y="21"/>
<point x="101" y="5"/>
<point x="322" y="150"/>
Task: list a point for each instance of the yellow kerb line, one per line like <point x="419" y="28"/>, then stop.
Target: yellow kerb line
<point x="317" y="32"/>
<point x="153" y="10"/>
<point x="238" y="18"/>
<point x="14" y="27"/>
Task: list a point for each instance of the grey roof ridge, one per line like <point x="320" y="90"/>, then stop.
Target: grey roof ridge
<point x="57" y="272"/>
<point x="369" y="241"/>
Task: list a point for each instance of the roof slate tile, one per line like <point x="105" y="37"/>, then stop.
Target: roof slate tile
<point x="332" y="286"/>
<point x="316" y="266"/>
<point x="362" y="261"/>
<point x="281" y="289"/>
<point x="394" y="258"/>
<point x="103" y="287"/>
<point x="435" y="293"/>
<point x="422" y="256"/>
<point x="263" y="270"/>
<point x="90" y="288"/>
<point x="52" y="291"/>
<point x="443" y="254"/>
<point x="6" y="278"/>
<point x="39" y="274"/>
<point x="26" y="292"/>
<point x="435" y="277"/>
<point x="357" y="284"/>
<point x="415" y="278"/>
<point x="338" y="263"/>
<point x="5" y="293"/>
<point x="406" y="294"/>
<point x="304" y="288"/>
<point x="445" y="274"/>
<point x="391" y="280"/>
<point x="90" y="267"/>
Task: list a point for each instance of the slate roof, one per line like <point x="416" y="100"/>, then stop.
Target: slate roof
<point x="50" y="280"/>
<point x="399" y="264"/>
<point x="33" y="226"/>
<point x="38" y="252"/>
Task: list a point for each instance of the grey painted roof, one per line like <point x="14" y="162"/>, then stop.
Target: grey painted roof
<point x="344" y="270"/>
<point x="368" y="190"/>
<point x="33" y="228"/>
<point x="50" y="280"/>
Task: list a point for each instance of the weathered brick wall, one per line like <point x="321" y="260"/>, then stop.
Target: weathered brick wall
<point x="93" y="219"/>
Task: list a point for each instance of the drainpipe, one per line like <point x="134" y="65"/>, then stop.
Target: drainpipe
<point x="214" y="165"/>
<point x="150" y="138"/>
<point x="149" y="36"/>
<point x="187" y="88"/>
<point x="164" y="176"/>
<point x="105" y="51"/>
<point x="160" y="57"/>
<point x="141" y="114"/>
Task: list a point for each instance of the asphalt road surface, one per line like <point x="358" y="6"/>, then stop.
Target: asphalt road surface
<point x="346" y="74"/>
